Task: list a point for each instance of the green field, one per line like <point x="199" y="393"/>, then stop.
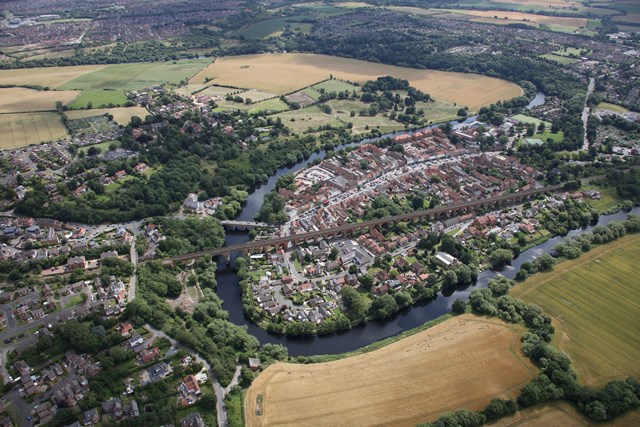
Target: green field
<point x="612" y="107"/>
<point x="137" y="76"/>
<point x="594" y="301"/>
<point x="311" y="117"/>
<point x="528" y="119"/>
<point x="103" y="146"/>
<point x="562" y="60"/>
<point x="436" y="112"/>
<point x="272" y="27"/>
<point x="609" y="198"/>
<point x="98" y="99"/>
<point x="556" y="137"/>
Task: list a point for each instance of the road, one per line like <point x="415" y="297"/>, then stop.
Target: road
<point x="585" y="113"/>
<point x="221" y="392"/>
<point x="133" y="254"/>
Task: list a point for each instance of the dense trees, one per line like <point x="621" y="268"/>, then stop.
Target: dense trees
<point x="189" y="235"/>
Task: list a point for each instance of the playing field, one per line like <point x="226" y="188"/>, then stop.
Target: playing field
<point x="50" y="76"/>
<point x="20" y="130"/>
<point x="595" y="302"/>
<point x="461" y="363"/>
<point x="561" y="414"/>
<point x="284" y="73"/>
<point x="122" y="116"/>
<point x="19" y="100"/>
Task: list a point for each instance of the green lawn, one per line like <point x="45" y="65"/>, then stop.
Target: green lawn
<point x="562" y="60"/>
<point x="608" y="201"/>
<point x="311" y="117"/>
<point x="528" y="119"/>
<point x="76" y="300"/>
<point x="612" y="107"/>
<point x="594" y="301"/>
<point x="103" y="146"/>
<point x="235" y="409"/>
<point x="556" y="137"/>
<point x="98" y="98"/>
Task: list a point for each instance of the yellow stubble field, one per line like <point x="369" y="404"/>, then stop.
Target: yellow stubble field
<point x="463" y="362"/>
<point x="285" y="73"/>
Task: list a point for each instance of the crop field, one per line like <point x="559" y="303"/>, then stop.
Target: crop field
<point x="98" y="98"/>
<point x="461" y="363"/>
<point x="137" y="76"/>
<point x="19" y="100"/>
<point x="20" y="130"/>
<point x="284" y="73"/>
<point x="561" y="414"/>
<point x="122" y="116"/>
<point x="52" y="77"/>
<point x="594" y="301"/>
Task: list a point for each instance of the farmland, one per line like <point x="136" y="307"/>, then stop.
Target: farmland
<point x="122" y="116"/>
<point x="285" y="73"/>
<point x="52" y="77"/>
<point x="594" y="301"/>
<point x="18" y="100"/>
<point x="20" y="130"/>
<point x="136" y="76"/>
<point x="561" y="414"/>
<point x="460" y="363"/>
<point x="98" y="98"/>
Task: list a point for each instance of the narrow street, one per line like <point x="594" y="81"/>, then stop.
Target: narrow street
<point x="585" y="113"/>
<point x="220" y="392"/>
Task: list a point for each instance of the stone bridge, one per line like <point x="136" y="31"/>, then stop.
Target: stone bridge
<point x="437" y="213"/>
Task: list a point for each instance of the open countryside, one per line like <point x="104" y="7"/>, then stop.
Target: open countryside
<point x="22" y="100"/>
<point x="122" y="115"/>
<point x="461" y="363"/>
<point x="20" y="130"/>
<point x="285" y="73"/>
<point x="51" y="77"/>
<point x="561" y="414"/>
<point x="594" y="301"/>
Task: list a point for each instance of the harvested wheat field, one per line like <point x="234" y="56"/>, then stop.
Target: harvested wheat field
<point x="528" y="17"/>
<point x="20" y="130"/>
<point x="463" y="362"/>
<point x="286" y="72"/>
<point x="19" y="100"/>
<point x="121" y="115"/>
<point x="50" y="76"/>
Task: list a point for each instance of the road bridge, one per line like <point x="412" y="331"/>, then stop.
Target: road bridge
<point x="438" y="213"/>
<point x="245" y="225"/>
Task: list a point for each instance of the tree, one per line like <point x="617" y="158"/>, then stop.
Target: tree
<point x="450" y="279"/>
<point x="500" y="257"/>
<point x="383" y="307"/>
<point x="355" y="304"/>
<point x="459" y="306"/>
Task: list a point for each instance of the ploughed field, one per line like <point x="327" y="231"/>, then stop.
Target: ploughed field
<point x="287" y="72"/>
<point x="463" y="362"/>
<point x="595" y="302"/>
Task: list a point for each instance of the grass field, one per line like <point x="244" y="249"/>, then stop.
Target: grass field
<point x="98" y="98"/>
<point x="460" y="363"/>
<point x="256" y="95"/>
<point x="284" y="73"/>
<point x="528" y="119"/>
<point x="273" y="27"/>
<point x="342" y="111"/>
<point x="561" y="414"/>
<point x="562" y="60"/>
<point x="612" y="107"/>
<point x="137" y="76"/>
<point x="310" y="117"/>
<point x="122" y="116"/>
<point x="103" y="146"/>
<point x="594" y="301"/>
<point x="50" y="76"/>
<point x="609" y="198"/>
<point x="20" y="130"/>
<point x="19" y="100"/>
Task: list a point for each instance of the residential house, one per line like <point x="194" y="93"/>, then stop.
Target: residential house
<point x="91" y="417"/>
<point x="192" y="420"/>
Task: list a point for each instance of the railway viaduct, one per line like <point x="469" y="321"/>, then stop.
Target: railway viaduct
<point x="437" y="213"/>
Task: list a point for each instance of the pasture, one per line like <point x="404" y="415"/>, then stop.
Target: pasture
<point x="594" y="302"/>
<point x="98" y="98"/>
<point x="273" y="27"/>
<point x="121" y="116"/>
<point x="284" y="73"/>
<point x="311" y="117"/>
<point x="461" y="363"/>
<point x="22" y="100"/>
<point x="52" y="77"/>
<point x="20" y="130"/>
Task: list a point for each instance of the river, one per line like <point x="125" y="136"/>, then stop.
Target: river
<point x="411" y="317"/>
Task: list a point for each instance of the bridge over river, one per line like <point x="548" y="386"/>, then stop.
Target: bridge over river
<point x="438" y="213"/>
